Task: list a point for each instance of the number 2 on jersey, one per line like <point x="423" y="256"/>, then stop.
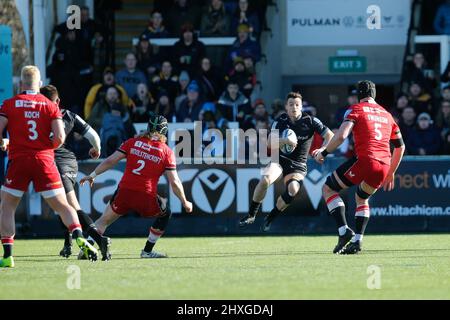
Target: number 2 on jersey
<point x="32" y="129"/>
<point x="378" y="135"/>
<point x="137" y="171"/>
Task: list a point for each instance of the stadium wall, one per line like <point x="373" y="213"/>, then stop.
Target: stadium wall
<point x="221" y="195"/>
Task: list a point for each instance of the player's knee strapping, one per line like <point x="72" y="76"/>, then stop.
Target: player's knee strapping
<point x="287" y="196"/>
<point x="362" y="194"/>
<point x="332" y="183"/>
<point x="162" y="221"/>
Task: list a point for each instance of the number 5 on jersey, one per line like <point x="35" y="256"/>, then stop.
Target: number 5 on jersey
<point x="378" y="135"/>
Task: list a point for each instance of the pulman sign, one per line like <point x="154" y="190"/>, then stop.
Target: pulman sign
<point x="347" y="22"/>
<point x="347" y="64"/>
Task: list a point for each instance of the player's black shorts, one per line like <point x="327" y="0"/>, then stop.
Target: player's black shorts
<point x="342" y="170"/>
<point x="68" y="172"/>
<point x="290" y="166"/>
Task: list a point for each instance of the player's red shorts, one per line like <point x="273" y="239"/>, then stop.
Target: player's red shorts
<point x="127" y="200"/>
<point x="355" y="171"/>
<point x="39" y="169"/>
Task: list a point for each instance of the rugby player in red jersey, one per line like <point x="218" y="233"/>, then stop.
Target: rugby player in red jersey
<point x="148" y="158"/>
<point x="35" y="129"/>
<point x="374" y="130"/>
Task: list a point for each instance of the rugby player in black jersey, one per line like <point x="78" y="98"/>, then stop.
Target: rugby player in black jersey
<point x="67" y="165"/>
<point x="292" y="166"/>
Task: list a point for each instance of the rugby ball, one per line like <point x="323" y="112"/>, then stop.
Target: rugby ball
<point x="291" y="136"/>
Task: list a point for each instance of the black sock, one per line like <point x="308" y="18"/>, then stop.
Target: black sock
<point x="148" y="246"/>
<point x="274" y="213"/>
<point x="254" y="208"/>
<point x="77" y="233"/>
<point x="361" y="224"/>
<point x="94" y="234"/>
<point x="339" y="215"/>
<point x="67" y="235"/>
<point x="85" y="220"/>
<point x="7" y="250"/>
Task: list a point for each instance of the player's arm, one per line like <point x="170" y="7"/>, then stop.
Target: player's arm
<point x="397" y="155"/>
<point x="59" y="134"/>
<point x="178" y="189"/>
<point x="3" y="124"/>
<point x="90" y="134"/>
<point x="344" y="131"/>
<point x="106" y="164"/>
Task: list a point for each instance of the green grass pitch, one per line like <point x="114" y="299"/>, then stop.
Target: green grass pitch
<point x="296" y="267"/>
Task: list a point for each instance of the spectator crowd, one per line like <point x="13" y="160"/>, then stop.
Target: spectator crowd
<point x="189" y="81"/>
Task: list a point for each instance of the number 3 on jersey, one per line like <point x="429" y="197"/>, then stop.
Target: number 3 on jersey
<point x="32" y="129"/>
<point x="378" y="135"/>
<point x="137" y="171"/>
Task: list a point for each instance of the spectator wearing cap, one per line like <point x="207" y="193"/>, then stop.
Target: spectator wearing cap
<point x="419" y="100"/>
<point x="242" y="77"/>
<point x="210" y="80"/>
<point x="233" y="105"/>
<point x="156" y="28"/>
<point x="215" y="20"/>
<point x="352" y="99"/>
<point x="183" y="12"/>
<point x="191" y="106"/>
<point x="442" y="19"/>
<point x="98" y="92"/>
<point x="166" y="80"/>
<point x="243" y="15"/>
<point x="143" y="104"/>
<point x="130" y="77"/>
<point x="188" y="51"/>
<point x="243" y="46"/>
<point x="183" y="83"/>
<point x="148" y="56"/>
<point x="424" y="139"/>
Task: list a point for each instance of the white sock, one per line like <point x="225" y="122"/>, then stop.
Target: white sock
<point x="342" y="230"/>
<point x="358" y="237"/>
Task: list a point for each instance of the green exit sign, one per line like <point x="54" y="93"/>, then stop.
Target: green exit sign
<point x="347" y="64"/>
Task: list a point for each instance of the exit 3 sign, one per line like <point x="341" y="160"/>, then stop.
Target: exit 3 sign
<point x="347" y="64"/>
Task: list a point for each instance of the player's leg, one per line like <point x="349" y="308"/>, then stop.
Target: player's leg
<point x="58" y="202"/>
<point x="68" y="184"/>
<point x="335" y="183"/>
<point x="293" y="182"/>
<point x="270" y="174"/>
<point x="89" y="226"/>
<point x="8" y="206"/>
<point x="157" y="230"/>
<point x="106" y="219"/>
<point x="363" y="192"/>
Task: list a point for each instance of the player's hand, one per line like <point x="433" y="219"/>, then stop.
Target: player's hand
<point x="293" y="144"/>
<point x="87" y="179"/>
<point x="389" y="183"/>
<point x="317" y="154"/>
<point x="94" y="153"/>
<point x="187" y="205"/>
<point x="4" y="144"/>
